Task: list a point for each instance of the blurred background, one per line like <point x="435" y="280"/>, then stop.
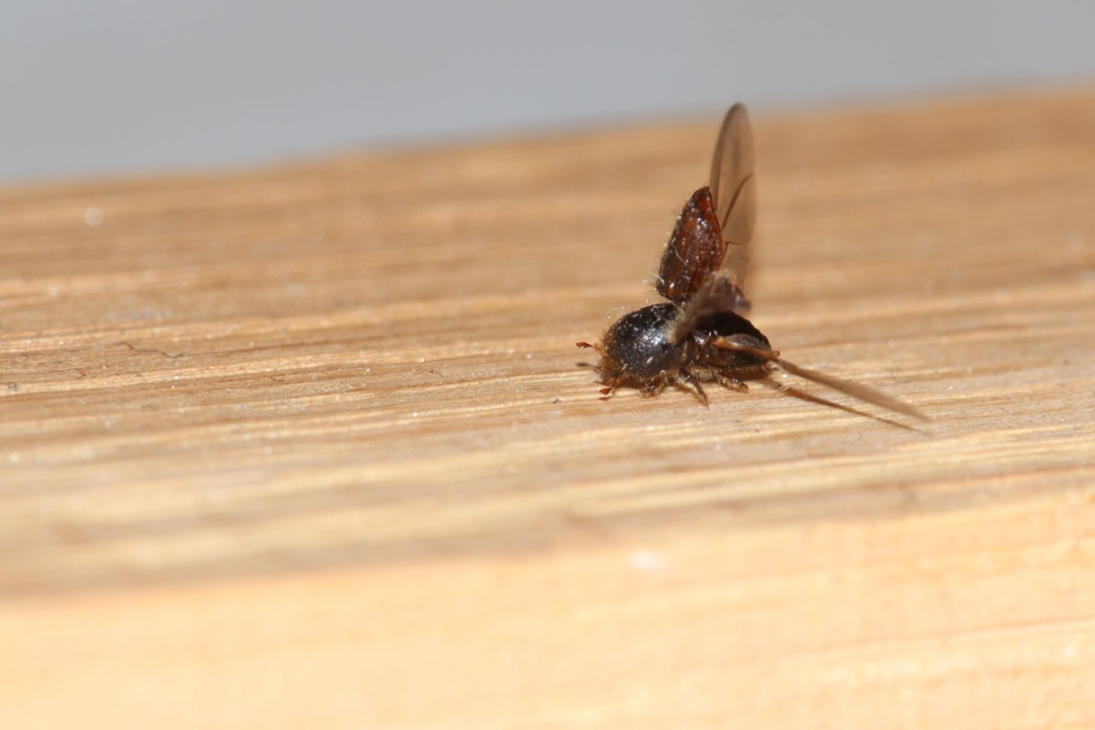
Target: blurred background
<point x="120" y="86"/>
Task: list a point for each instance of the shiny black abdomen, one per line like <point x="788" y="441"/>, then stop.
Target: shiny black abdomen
<point x="728" y="324"/>
<point x="725" y="324"/>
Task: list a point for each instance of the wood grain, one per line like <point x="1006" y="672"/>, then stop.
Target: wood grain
<point x="311" y="446"/>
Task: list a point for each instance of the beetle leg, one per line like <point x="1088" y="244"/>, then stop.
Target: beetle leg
<point x="655" y="386"/>
<point x="701" y="396"/>
<point x="733" y="384"/>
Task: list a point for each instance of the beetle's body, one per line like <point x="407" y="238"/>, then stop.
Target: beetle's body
<point x="700" y="334"/>
<point x="640" y="348"/>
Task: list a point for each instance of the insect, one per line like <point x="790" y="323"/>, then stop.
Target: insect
<point x="699" y="335"/>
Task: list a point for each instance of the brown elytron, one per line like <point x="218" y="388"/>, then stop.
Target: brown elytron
<point x="699" y="335"/>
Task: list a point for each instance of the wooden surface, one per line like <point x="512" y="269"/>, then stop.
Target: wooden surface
<point x="312" y="446"/>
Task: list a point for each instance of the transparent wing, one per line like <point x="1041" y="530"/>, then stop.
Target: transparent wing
<point x="733" y="187"/>
<point x="743" y="343"/>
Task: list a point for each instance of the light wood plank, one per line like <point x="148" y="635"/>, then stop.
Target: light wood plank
<point x="312" y="445"/>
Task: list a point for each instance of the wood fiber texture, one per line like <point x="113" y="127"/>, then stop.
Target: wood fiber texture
<point x="312" y="446"/>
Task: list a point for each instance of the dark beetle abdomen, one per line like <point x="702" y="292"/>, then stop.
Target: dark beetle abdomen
<point x="725" y="324"/>
<point x="732" y="326"/>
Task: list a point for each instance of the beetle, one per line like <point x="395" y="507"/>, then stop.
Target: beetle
<point x="700" y="334"/>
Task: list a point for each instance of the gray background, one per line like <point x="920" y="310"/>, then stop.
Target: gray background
<point x="90" y="88"/>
